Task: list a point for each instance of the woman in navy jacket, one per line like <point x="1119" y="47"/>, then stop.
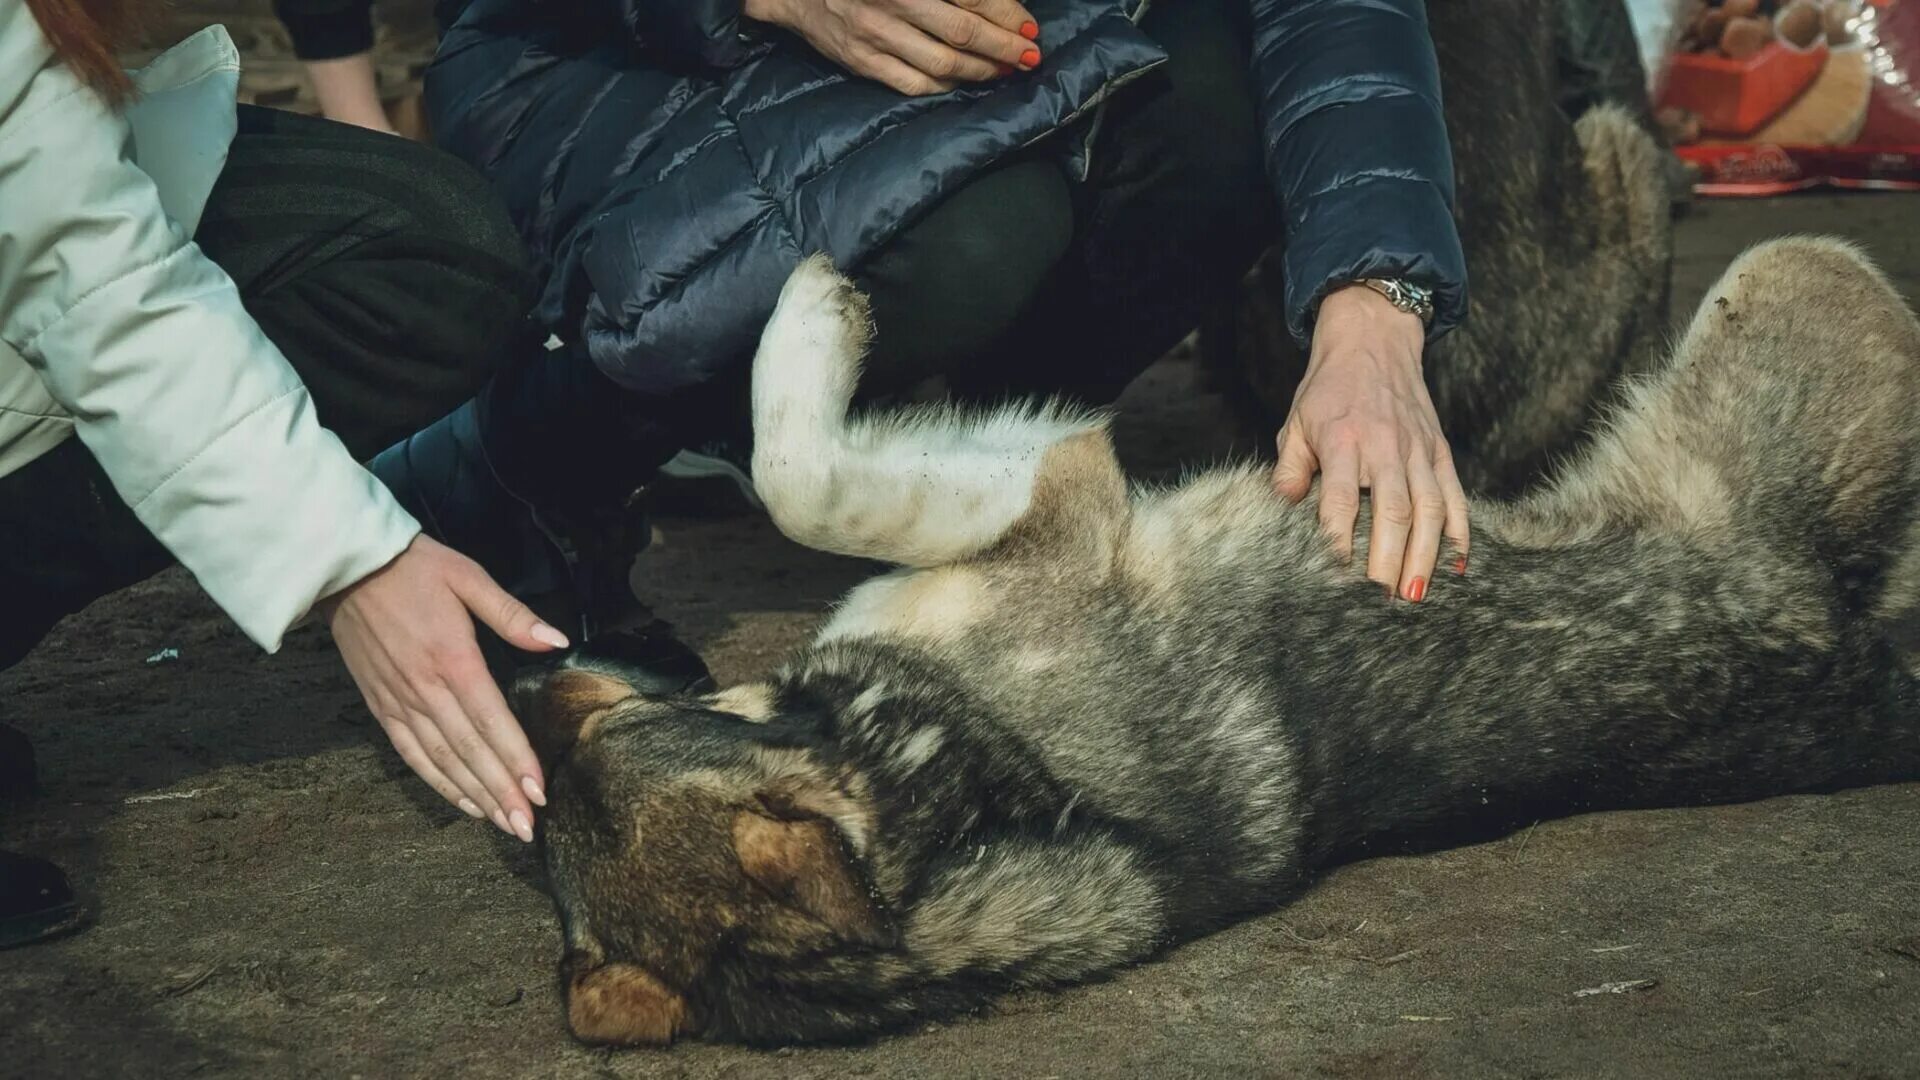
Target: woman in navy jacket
<point x="1038" y="198"/>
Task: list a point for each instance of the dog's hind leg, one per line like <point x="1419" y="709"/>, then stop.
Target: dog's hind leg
<point x="922" y="487"/>
<point x="1784" y="418"/>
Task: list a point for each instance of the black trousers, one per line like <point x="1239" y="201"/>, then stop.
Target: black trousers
<point x="388" y="274"/>
<point x="1028" y="280"/>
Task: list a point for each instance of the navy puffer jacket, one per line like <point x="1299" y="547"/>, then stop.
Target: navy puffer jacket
<point x="669" y="165"/>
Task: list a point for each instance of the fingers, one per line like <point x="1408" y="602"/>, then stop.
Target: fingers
<point x="463" y="738"/>
<point x="454" y="791"/>
<point x="1005" y="14"/>
<point x="933" y="59"/>
<point x="1392" y="521"/>
<point x="1423" y="539"/>
<point x="900" y="76"/>
<point x="1293" y="476"/>
<point x="1455" y="496"/>
<point x="480" y="701"/>
<point x="516" y="623"/>
<point x="1340" y="496"/>
<point x="975" y="35"/>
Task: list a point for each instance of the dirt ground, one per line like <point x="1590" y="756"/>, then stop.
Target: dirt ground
<point x="275" y="894"/>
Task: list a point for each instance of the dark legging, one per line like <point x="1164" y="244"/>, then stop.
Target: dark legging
<point x="387" y="273"/>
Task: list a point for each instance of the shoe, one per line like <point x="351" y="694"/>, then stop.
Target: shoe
<point x="720" y="459"/>
<point x="36" y="902"/>
<point x="444" y="478"/>
<point x="18" y="773"/>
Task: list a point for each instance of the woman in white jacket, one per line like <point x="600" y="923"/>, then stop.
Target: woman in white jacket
<point x="208" y="317"/>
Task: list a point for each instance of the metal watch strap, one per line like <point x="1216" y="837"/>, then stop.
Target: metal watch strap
<point x="1404" y="295"/>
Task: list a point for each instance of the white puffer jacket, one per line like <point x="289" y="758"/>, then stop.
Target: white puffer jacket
<point x="116" y="328"/>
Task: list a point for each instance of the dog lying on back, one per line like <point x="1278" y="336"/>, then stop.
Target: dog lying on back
<point x="1083" y="722"/>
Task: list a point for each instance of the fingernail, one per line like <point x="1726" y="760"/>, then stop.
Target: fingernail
<point x="547" y="635"/>
<point x="521" y="828"/>
<point x="1030" y="59"/>
<point x="467" y="808"/>
<point x="532" y="787"/>
<point x="1005" y="69"/>
<point x="1030" y="30"/>
<point x="500" y="822"/>
<point x="1460" y="565"/>
<point x="1416" y="589"/>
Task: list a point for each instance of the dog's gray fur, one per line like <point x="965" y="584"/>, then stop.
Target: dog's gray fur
<point x="1086" y="722"/>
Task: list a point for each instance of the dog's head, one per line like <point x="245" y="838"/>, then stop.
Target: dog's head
<point x="685" y="841"/>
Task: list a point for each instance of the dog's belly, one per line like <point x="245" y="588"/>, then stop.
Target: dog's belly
<point x="926" y="605"/>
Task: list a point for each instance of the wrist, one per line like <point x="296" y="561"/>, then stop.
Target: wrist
<point x="1356" y="312"/>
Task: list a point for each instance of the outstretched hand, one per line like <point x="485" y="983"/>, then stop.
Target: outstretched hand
<point x="406" y="633"/>
<point x="1362" y="418"/>
<point x="917" y="47"/>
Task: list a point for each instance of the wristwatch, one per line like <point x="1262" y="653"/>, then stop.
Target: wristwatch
<point x="1404" y="295"/>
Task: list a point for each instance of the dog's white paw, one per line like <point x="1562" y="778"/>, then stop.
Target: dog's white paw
<point x="808" y="364"/>
<point x="819" y="312"/>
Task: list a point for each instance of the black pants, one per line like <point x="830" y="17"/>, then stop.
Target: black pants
<point x="1027" y="280"/>
<point x="388" y="274"/>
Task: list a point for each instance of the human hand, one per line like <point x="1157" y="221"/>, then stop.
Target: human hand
<point x="407" y="638"/>
<point x="917" y="47"/>
<point x="1362" y="418"/>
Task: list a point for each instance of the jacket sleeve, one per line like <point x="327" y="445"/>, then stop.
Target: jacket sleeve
<point x="1356" y="147"/>
<point x="203" y="427"/>
<point x="710" y="31"/>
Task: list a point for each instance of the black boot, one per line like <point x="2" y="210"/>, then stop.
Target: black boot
<point x="443" y="476"/>
<point x="533" y="480"/>
<point x="36" y="903"/>
<point x="17" y="772"/>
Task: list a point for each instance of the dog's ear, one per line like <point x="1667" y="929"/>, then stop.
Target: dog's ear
<point x="619" y="1003"/>
<point x="803" y="859"/>
<point x="555" y="706"/>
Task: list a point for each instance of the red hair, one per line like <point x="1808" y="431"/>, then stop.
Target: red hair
<point x="88" y="35"/>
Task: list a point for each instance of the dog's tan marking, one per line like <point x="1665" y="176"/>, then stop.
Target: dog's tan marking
<point x="795" y="777"/>
<point x="803" y="862"/>
<point x="933" y="604"/>
<point x="623" y="1004"/>
<point x="748" y="701"/>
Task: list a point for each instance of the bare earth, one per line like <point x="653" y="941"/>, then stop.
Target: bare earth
<point x="276" y="895"/>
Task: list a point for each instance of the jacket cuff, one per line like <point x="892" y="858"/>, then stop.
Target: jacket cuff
<point x="1374" y="227"/>
<point x="274" y="516"/>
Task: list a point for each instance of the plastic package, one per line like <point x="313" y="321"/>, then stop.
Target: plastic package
<point x="1764" y="96"/>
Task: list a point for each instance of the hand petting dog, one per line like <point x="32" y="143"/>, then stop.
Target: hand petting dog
<point x="1362" y="418"/>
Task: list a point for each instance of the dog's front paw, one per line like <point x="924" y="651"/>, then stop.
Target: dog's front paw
<point x="821" y="311"/>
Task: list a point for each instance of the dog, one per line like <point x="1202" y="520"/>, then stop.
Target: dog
<point x="1082" y="722"/>
<point x="1564" y="205"/>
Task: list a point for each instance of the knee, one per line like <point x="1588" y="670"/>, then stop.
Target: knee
<point x="453" y="204"/>
<point x="953" y="283"/>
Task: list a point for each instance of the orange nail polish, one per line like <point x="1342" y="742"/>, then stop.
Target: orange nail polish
<point x="1030" y="31"/>
<point x="1030" y="58"/>
<point x="1416" y="589"/>
<point x="1004" y="69"/>
<point x="1460" y="566"/>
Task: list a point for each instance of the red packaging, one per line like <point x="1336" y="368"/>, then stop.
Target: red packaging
<point x="1765" y="96"/>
